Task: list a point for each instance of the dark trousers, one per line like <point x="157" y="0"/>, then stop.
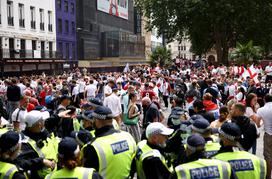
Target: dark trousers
<point x="165" y="100"/>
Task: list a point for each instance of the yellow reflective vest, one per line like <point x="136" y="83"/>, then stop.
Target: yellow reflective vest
<point x="7" y="170"/>
<point x="143" y="152"/>
<point x="115" y="154"/>
<point x="48" y="151"/>
<point x="211" y="148"/>
<point x="78" y="172"/>
<point x="245" y="164"/>
<point x="204" y="168"/>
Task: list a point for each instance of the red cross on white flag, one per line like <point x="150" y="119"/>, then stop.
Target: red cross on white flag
<point x="252" y="73"/>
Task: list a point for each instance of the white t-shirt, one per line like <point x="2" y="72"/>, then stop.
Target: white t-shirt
<point x="249" y="112"/>
<point x="91" y="89"/>
<point x="265" y="113"/>
<point x="268" y="70"/>
<point x="19" y="117"/>
<point x="239" y="96"/>
<point x="113" y="102"/>
<point x="75" y="90"/>
<point x="232" y="90"/>
<point x="81" y="86"/>
<point x="107" y="89"/>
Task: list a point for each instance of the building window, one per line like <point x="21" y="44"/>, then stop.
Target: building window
<point x="67" y="51"/>
<point x="66" y="26"/>
<point x="21" y="15"/>
<point x="32" y="18"/>
<point x="50" y="49"/>
<point x="73" y="27"/>
<point x="74" y="51"/>
<point x="10" y="13"/>
<point x="42" y="19"/>
<point x="72" y="8"/>
<point x="59" y="26"/>
<point x="184" y="48"/>
<point x="59" y="4"/>
<point x="50" y="24"/>
<point x="66" y="7"/>
<point x="60" y="50"/>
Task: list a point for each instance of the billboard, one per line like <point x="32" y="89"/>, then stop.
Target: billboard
<point x="117" y="8"/>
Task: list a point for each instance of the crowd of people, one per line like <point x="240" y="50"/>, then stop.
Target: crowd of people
<point x="149" y="123"/>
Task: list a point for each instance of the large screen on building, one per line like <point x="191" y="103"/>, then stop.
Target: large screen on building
<point x="117" y="8"/>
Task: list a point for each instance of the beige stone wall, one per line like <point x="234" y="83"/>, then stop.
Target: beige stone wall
<point x="111" y="62"/>
<point x="147" y="35"/>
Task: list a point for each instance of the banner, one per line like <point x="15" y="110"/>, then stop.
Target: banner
<point x="117" y="8"/>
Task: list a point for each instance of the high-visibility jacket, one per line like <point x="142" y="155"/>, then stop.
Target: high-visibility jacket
<point x="78" y="172"/>
<point x="143" y="152"/>
<point x="204" y="168"/>
<point x="211" y="148"/>
<point x="245" y="164"/>
<point x="3" y="130"/>
<point x="48" y="151"/>
<point x="7" y="170"/>
<point x="115" y="153"/>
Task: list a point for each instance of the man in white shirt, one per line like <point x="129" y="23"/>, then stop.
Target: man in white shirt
<point x="81" y="88"/>
<point x="265" y="113"/>
<point x="22" y="86"/>
<point x="113" y="102"/>
<point x="90" y="90"/>
<point x="108" y="88"/>
<point x="268" y="71"/>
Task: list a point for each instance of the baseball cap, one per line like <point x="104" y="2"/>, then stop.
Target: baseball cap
<point x="34" y="116"/>
<point x="9" y="141"/>
<point x="18" y="115"/>
<point x="157" y="128"/>
<point x="68" y="148"/>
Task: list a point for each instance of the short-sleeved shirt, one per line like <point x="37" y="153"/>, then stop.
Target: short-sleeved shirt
<point x="265" y="113"/>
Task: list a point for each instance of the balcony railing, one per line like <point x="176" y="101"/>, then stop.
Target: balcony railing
<point x="42" y="26"/>
<point x="50" y="27"/>
<point x="33" y="24"/>
<point x="10" y="21"/>
<point x="22" y="23"/>
<point x="28" y="54"/>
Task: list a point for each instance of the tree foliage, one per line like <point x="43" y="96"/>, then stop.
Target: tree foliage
<point x="244" y="53"/>
<point x="219" y="24"/>
<point x="161" y="56"/>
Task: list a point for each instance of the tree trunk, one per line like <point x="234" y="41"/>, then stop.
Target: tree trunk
<point x="221" y="47"/>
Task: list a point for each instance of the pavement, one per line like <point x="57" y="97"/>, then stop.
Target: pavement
<point x="259" y="150"/>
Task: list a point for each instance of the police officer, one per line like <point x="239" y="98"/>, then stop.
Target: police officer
<point x="82" y="137"/>
<point x="202" y="127"/>
<point x="196" y="166"/>
<point x="150" y="161"/>
<point x="9" y="148"/>
<point x="245" y="165"/>
<point x="69" y="160"/>
<point x="112" y="151"/>
<point x="40" y="142"/>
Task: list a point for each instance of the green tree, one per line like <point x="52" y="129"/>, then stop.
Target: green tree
<point x="161" y="56"/>
<point x="244" y="53"/>
<point x="219" y="24"/>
